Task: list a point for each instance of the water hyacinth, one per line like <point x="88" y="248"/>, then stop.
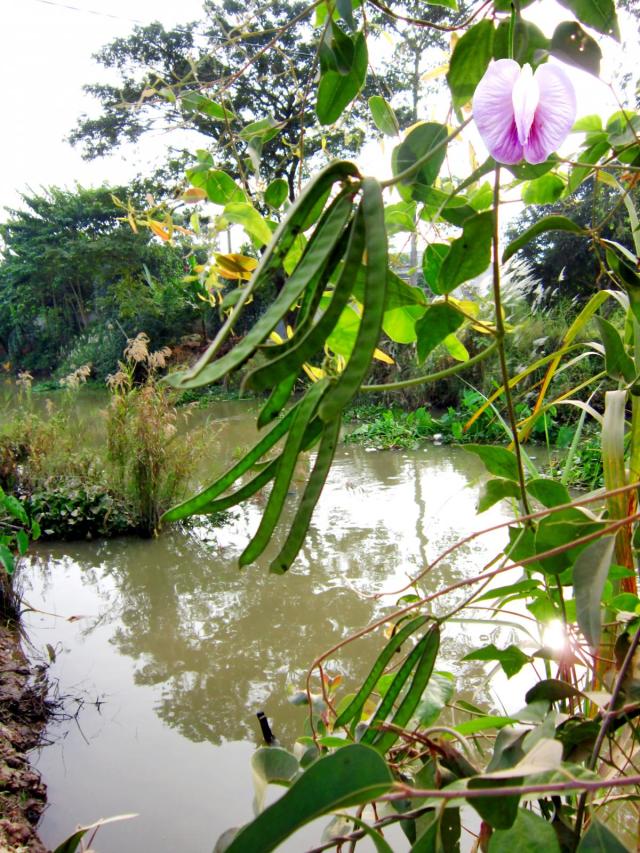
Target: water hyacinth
<point x="522" y="115"/>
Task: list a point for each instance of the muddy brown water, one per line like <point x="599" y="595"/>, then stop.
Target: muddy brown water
<point x="176" y="649"/>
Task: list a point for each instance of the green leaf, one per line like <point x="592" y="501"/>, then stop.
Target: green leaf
<point x="419" y="141"/>
<point x="400" y="217"/>
<point x="22" y="541"/>
<point x="618" y="364"/>
<point x="349" y="777"/>
<point x="598" y="14"/>
<point x="246" y="215"/>
<point x="511" y="659"/>
<point x="496" y="490"/>
<point x="276" y="193"/>
<point x="469" y="255"/>
<point x="264" y="129"/>
<point x="438" y="694"/>
<point x="584" y="167"/>
<point x="499" y="812"/>
<point x="195" y="102"/>
<point x="544" y="190"/>
<point x="497" y="460"/>
<point x="271" y="765"/>
<point x="379" y="843"/>
<point x="220" y="188"/>
<point x="551" y="690"/>
<point x="521" y="588"/>
<point x="438" y="321"/>
<point x="383" y="116"/>
<point x="590" y="571"/>
<point x="434" y="255"/>
<point x="560" y="530"/>
<point x="527" y="39"/>
<point x="337" y="90"/>
<point x="482" y="724"/>
<point x="548" y="223"/>
<point x="15" y="509"/>
<point x="571" y="44"/>
<point x="599" y="839"/>
<point x="400" y="323"/>
<point x="345" y="10"/>
<point x="587" y="124"/>
<point x="549" y="493"/>
<point x="529" y="834"/>
<point x="469" y="61"/>
<point x="6" y="559"/>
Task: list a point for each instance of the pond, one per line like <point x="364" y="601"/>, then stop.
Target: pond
<point x="175" y="650"/>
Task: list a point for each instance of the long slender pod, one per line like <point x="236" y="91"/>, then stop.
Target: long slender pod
<point x="305" y="411"/>
<point x="399" y="680"/>
<point x="312" y="492"/>
<point x="277" y="400"/>
<point x="314" y="260"/>
<point x="375" y="289"/>
<point x="290" y="361"/>
<point x="197" y="502"/>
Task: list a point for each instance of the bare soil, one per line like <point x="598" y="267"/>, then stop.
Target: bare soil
<point x="23" y="715"/>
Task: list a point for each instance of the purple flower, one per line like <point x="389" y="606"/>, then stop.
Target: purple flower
<point x="522" y="115"/>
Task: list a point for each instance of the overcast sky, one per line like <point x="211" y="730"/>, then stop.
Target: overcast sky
<point x="45" y="58"/>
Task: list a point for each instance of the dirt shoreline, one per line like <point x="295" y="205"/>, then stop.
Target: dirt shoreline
<point x="23" y="715"/>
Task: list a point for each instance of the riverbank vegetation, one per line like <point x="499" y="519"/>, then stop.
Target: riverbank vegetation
<point x="405" y="291"/>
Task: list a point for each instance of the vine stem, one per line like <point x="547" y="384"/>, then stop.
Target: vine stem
<point x="500" y="336"/>
<point x="606" y="722"/>
<point x="432" y="377"/>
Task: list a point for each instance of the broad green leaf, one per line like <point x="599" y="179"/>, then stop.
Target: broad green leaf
<point x="434" y="255"/>
<point x="276" y="193"/>
<point x="571" y="44"/>
<point x="456" y="348"/>
<point x="6" y="559"/>
<point x="560" y="530"/>
<point x="345" y="10"/>
<point x="496" y="490"/>
<point x="420" y="140"/>
<point x="15" y="508"/>
<point x="195" y="102"/>
<point x="438" y="321"/>
<point x="22" y="540"/>
<point x="400" y="217"/>
<point x="551" y="690"/>
<point x="550" y="493"/>
<point x="264" y="129"/>
<point x="511" y="659"/>
<point x="584" y="167"/>
<point x="531" y="171"/>
<point x="219" y="187"/>
<point x="342" y="339"/>
<point x="499" y="812"/>
<point x="497" y="460"/>
<point x="527" y="38"/>
<point x="599" y="839"/>
<point x="544" y="190"/>
<point x="529" y="834"/>
<point x="271" y="765"/>
<point x="469" y="61"/>
<point x="548" y="223"/>
<point x="469" y="255"/>
<point x="482" y="724"/>
<point x="383" y="116"/>
<point x="590" y="571"/>
<point x="438" y="694"/>
<point x="598" y="14"/>
<point x="246" y="215"/>
<point x="618" y="364"/>
<point x="587" y="124"/>
<point x="400" y="323"/>
<point x="337" y="90"/>
<point x="349" y="777"/>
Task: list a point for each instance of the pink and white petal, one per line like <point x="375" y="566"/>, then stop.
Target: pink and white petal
<point x="554" y="116"/>
<point x="493" y="111"/>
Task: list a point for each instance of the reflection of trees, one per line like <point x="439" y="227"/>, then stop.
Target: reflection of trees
<point x="219" y="644"/>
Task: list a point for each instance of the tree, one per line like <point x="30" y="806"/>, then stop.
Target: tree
<point x="69" y="265"/>
<point x="565" y="264"/>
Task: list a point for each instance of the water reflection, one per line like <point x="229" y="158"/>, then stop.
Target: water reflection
<point x="175" y="633"/>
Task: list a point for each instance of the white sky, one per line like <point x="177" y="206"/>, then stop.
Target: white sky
<point x="45" y="58"/>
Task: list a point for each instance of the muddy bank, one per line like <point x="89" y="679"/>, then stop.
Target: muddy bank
<point x="23" y="715"/>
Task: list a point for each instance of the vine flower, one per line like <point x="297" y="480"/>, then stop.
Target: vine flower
<point x="522" y="115"/>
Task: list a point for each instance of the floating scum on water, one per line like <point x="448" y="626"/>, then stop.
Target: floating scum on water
<point x="521" y="114"/>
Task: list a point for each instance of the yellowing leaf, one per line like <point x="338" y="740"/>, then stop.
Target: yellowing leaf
<point x="379" y="355"/>
<point x="158" y="229"/>
<point x="236" y="267"/>
<point x="193" y="195"/>
<point x="436" y="72"/>
<point x="314" y="373"/>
